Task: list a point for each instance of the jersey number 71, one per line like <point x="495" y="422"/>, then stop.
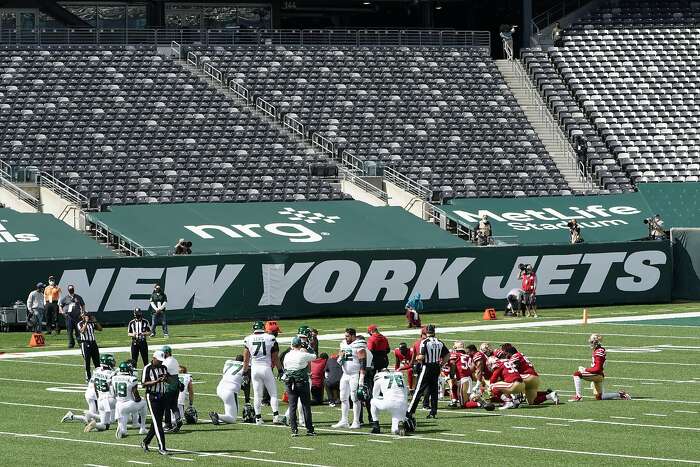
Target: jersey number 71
<point x="259" y="346"/>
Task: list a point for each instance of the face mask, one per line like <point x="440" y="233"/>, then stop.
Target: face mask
<point x="70" y="291"/>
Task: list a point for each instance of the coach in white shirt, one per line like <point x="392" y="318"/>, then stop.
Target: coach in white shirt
<point x="172" y="390"/>
<point x="296" y="378"/>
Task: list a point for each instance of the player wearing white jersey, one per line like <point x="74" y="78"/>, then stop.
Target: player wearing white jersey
<point x="91" y="400"/>
<point x="186" y="396"/>
<point x="390" y="393"/>
<point x="128" y="401"/>
<point x="105" y="394"/>
<point x="353" y="360"/>
<point x="261" y="354"/>
<point x="227" y="390"/>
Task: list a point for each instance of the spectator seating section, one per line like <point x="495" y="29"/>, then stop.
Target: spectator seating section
<point x="442" y="116"/>
<point x="129" y="126"/>
<point x="632" y="71"/>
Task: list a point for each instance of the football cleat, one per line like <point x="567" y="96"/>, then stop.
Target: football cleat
<point x="67" y="417"/>
<point x="454" y="404"/>
<point x="625" y="396"/>
<point x="341" y="424"/>
<point x="554" y="397"/>
<point x="489" y="407"/>
<point x="295" y="433"/>
<point x="311" y="433"/>
<point x="507" y="405"/>
<point x="410" y="423"/>
<point x="276" y="420"/>
<point x="119" y="434"/>
<point x="402" y="429"/>
<point x="259" y="421"/>
<point x="163" y="452"/>
<point x="576" y="399"/>
<point x="214" y="418"/>
<point x="144" y="446"/>
<point x="431" y="415"/>
<point x="143" y="431"/>
<point x="90" y="426"/>
<point x="356" y="426"/>
<point x="375" y="429"/>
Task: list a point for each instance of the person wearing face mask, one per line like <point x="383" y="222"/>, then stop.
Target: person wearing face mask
<point x="158" y="302"/>
<point x="72" y="306"/>
<point x="52" y="293"/>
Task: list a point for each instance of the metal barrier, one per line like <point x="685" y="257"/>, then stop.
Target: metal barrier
<point x="265" y="107"/>
<point x="295" y="126"/>
<point x="214" y="73"/>
<point x="19" y="193"/>
<point x="324" y="144"/>
<point x="192" y="59"/>
<point x="209" y="37"/>
<point x="126" y="245"/>
<point x="176" y="49"/>
<point x="350" y="160"/>
<point x="350" y="176"/>
<point x="64" y="191"/>
<point x="406" y="183"/>
<point x="239" y="90"/>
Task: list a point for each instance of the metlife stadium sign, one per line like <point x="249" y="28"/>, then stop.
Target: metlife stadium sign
<point x="529" y="221"/>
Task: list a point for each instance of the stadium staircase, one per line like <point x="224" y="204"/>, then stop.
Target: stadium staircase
<point x="544" y="124"/>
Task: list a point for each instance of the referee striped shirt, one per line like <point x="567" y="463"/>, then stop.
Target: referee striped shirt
<point x="152" y="373"/>
<point x="88" y="334"/>
<point x="137" y="326"/>
<point x="433" y="350"/>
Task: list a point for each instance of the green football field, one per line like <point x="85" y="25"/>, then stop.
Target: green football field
<point x="654" y="360"/>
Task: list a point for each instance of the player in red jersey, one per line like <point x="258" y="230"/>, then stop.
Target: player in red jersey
<point x="480" y="373"/>
<point x="595" y="374"/>
<point x="529" y="375"/>
<point x="460" y="375"/>
<point x="505" y="382"/>
<point x="404" y="357"/>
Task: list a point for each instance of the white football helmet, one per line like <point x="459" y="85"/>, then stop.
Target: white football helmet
<point x="458" y="345"/>
<point x="491" y="363"/>
<point x="595" y="340"/>
<point x="485" y="348"/>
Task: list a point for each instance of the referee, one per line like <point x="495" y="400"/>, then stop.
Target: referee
<point x="433" y="353"/>
<point x="139" y="330"/>
<point x="88" y="345"/>
<point x="153" y="379"/>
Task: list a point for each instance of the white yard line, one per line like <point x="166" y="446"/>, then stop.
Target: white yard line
<point x="558" y="424"/>
<point x="180" y="451"/>
<point x="262" y="452"/>
<point x="342" y="445"/>
<point x="490" y="431"/>
<point x="622" y="418"/>
<point x="540" y="331"/>
<point x="523" y="428"/>
<point x="456" y="434"/>
<point x="59" y="432"/>
<point x="181" y="458"/>
<point x="685" y="411"/>
<point x="656" y="415"/>
<point x="95" y="465"/>
<point x="402" y="332"/>
<point x="302" y="448"/>
<point x="73" y="409"/>
<point x="379" y="441"/>
<point x="139" y="462"/>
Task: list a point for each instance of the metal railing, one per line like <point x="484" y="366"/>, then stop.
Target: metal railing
<point x="207" y="37"/>
<point x="19" y="193"/>
<point x="176" y="49"/>
<point x="351" y="161"/>
<point x="554" y="13"/>
<point x="64" y="191"/>
<point x="294" y="126"/>
<point x="241" y="92"/>
<point x="214" y="73"/>
<point x="192" y="59"/>
<point x="324" y="144"/>
<point x="350" y="176"/>
<point x="266" y="108"/>
<point x="406" y="184"/>
<point x="102" y="232"/>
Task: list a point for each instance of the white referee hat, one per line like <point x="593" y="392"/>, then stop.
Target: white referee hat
<point x="159" y="355"/>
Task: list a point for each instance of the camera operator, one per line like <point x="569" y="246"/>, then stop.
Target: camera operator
<point x="529" y="286"/>
<point x="574" y="232"/>
<point x="655" y="226"/>
<point x="484" y="232"/>
<point x="183" y="247"/>
<point x="506" y="33"/>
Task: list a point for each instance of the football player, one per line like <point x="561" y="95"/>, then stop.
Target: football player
<point x="530" y="377"/>
<point x="186" y="396"/>
<point x="391" y="394"/>
<point x="261" y="353"/>
<point x="480" y="372"/>
<point x="128" y="401"/>
<point x="404" y="356"/>
<point x="353" y="360"/>
<point x="595" y="374"/>
<point x="505" y="382"/>
<point x="227" y="390"/>
<point x="92" y="412"/>
<point x="105" y="394"/>
<point x="460" y="375"/>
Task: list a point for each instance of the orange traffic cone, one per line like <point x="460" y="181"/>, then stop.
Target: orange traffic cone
<point x="489" y="314"/>
<point x="585" y="316"/>
<point x="37" y="340"/>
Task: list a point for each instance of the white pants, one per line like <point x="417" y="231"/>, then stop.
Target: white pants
<point x="105" y="406"/>
<point x="91" y="413"/>
<point x="348" y="392"/>
<point x="262" y="378"/>
<point x="228" y="393"/>
<point x="396" y="407"/>
<point x="126" y="408"/>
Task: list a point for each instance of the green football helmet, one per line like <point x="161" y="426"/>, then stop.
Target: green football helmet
<point x="363" y="393"/>
<point x="107" y="359"/>
<point x="126" y="368"/>
<point x="304" y="331"/>
<point x="259" y="326"/>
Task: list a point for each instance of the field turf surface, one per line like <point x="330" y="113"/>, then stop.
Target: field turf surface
<point x="655" y="361"/>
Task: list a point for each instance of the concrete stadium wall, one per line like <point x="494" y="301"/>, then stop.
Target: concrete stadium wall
<point x="11" y="201"/>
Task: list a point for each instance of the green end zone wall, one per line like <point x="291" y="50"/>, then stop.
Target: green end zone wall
<point x="34" y="236"/>
<point x="607" y="218"/>
<point x="217" y="228"/>
<point x="266" y="285"/>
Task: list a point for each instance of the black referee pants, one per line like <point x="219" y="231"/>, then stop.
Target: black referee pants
<point x="428" y="384"/>
<point x="90" y="351"/>
<point x="171" y="409"/>
<point x="139" y="346"/>
<point x="157" y="406"/>
<point x="299" y="392"/>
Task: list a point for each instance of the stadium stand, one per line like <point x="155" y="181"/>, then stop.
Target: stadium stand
<point x="626" y="78"/>
<point x="442" y="116"/>
<point x="127" y="126"/>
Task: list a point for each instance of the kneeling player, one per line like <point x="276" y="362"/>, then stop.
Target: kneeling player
<point x="92" y="412"/>
<point x="505" y="382"/>
<point x="227" y="390"/>
<point x="530" y="377"/>
<point x="404" y="359"/>
<point x="595" y="374"/>
<point x="391" y="394"/>
<point x="128" y="400"/>
<point x="105" y="394"/>
<point x="460" y="375"/>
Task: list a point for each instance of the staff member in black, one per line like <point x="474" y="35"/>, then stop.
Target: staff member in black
<point x="433" y="354"/>
<point x="88" y="345"/>
<point x="154" y="380"/>
<point x="139" y="330"/>
<point x="72" y="306"/>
